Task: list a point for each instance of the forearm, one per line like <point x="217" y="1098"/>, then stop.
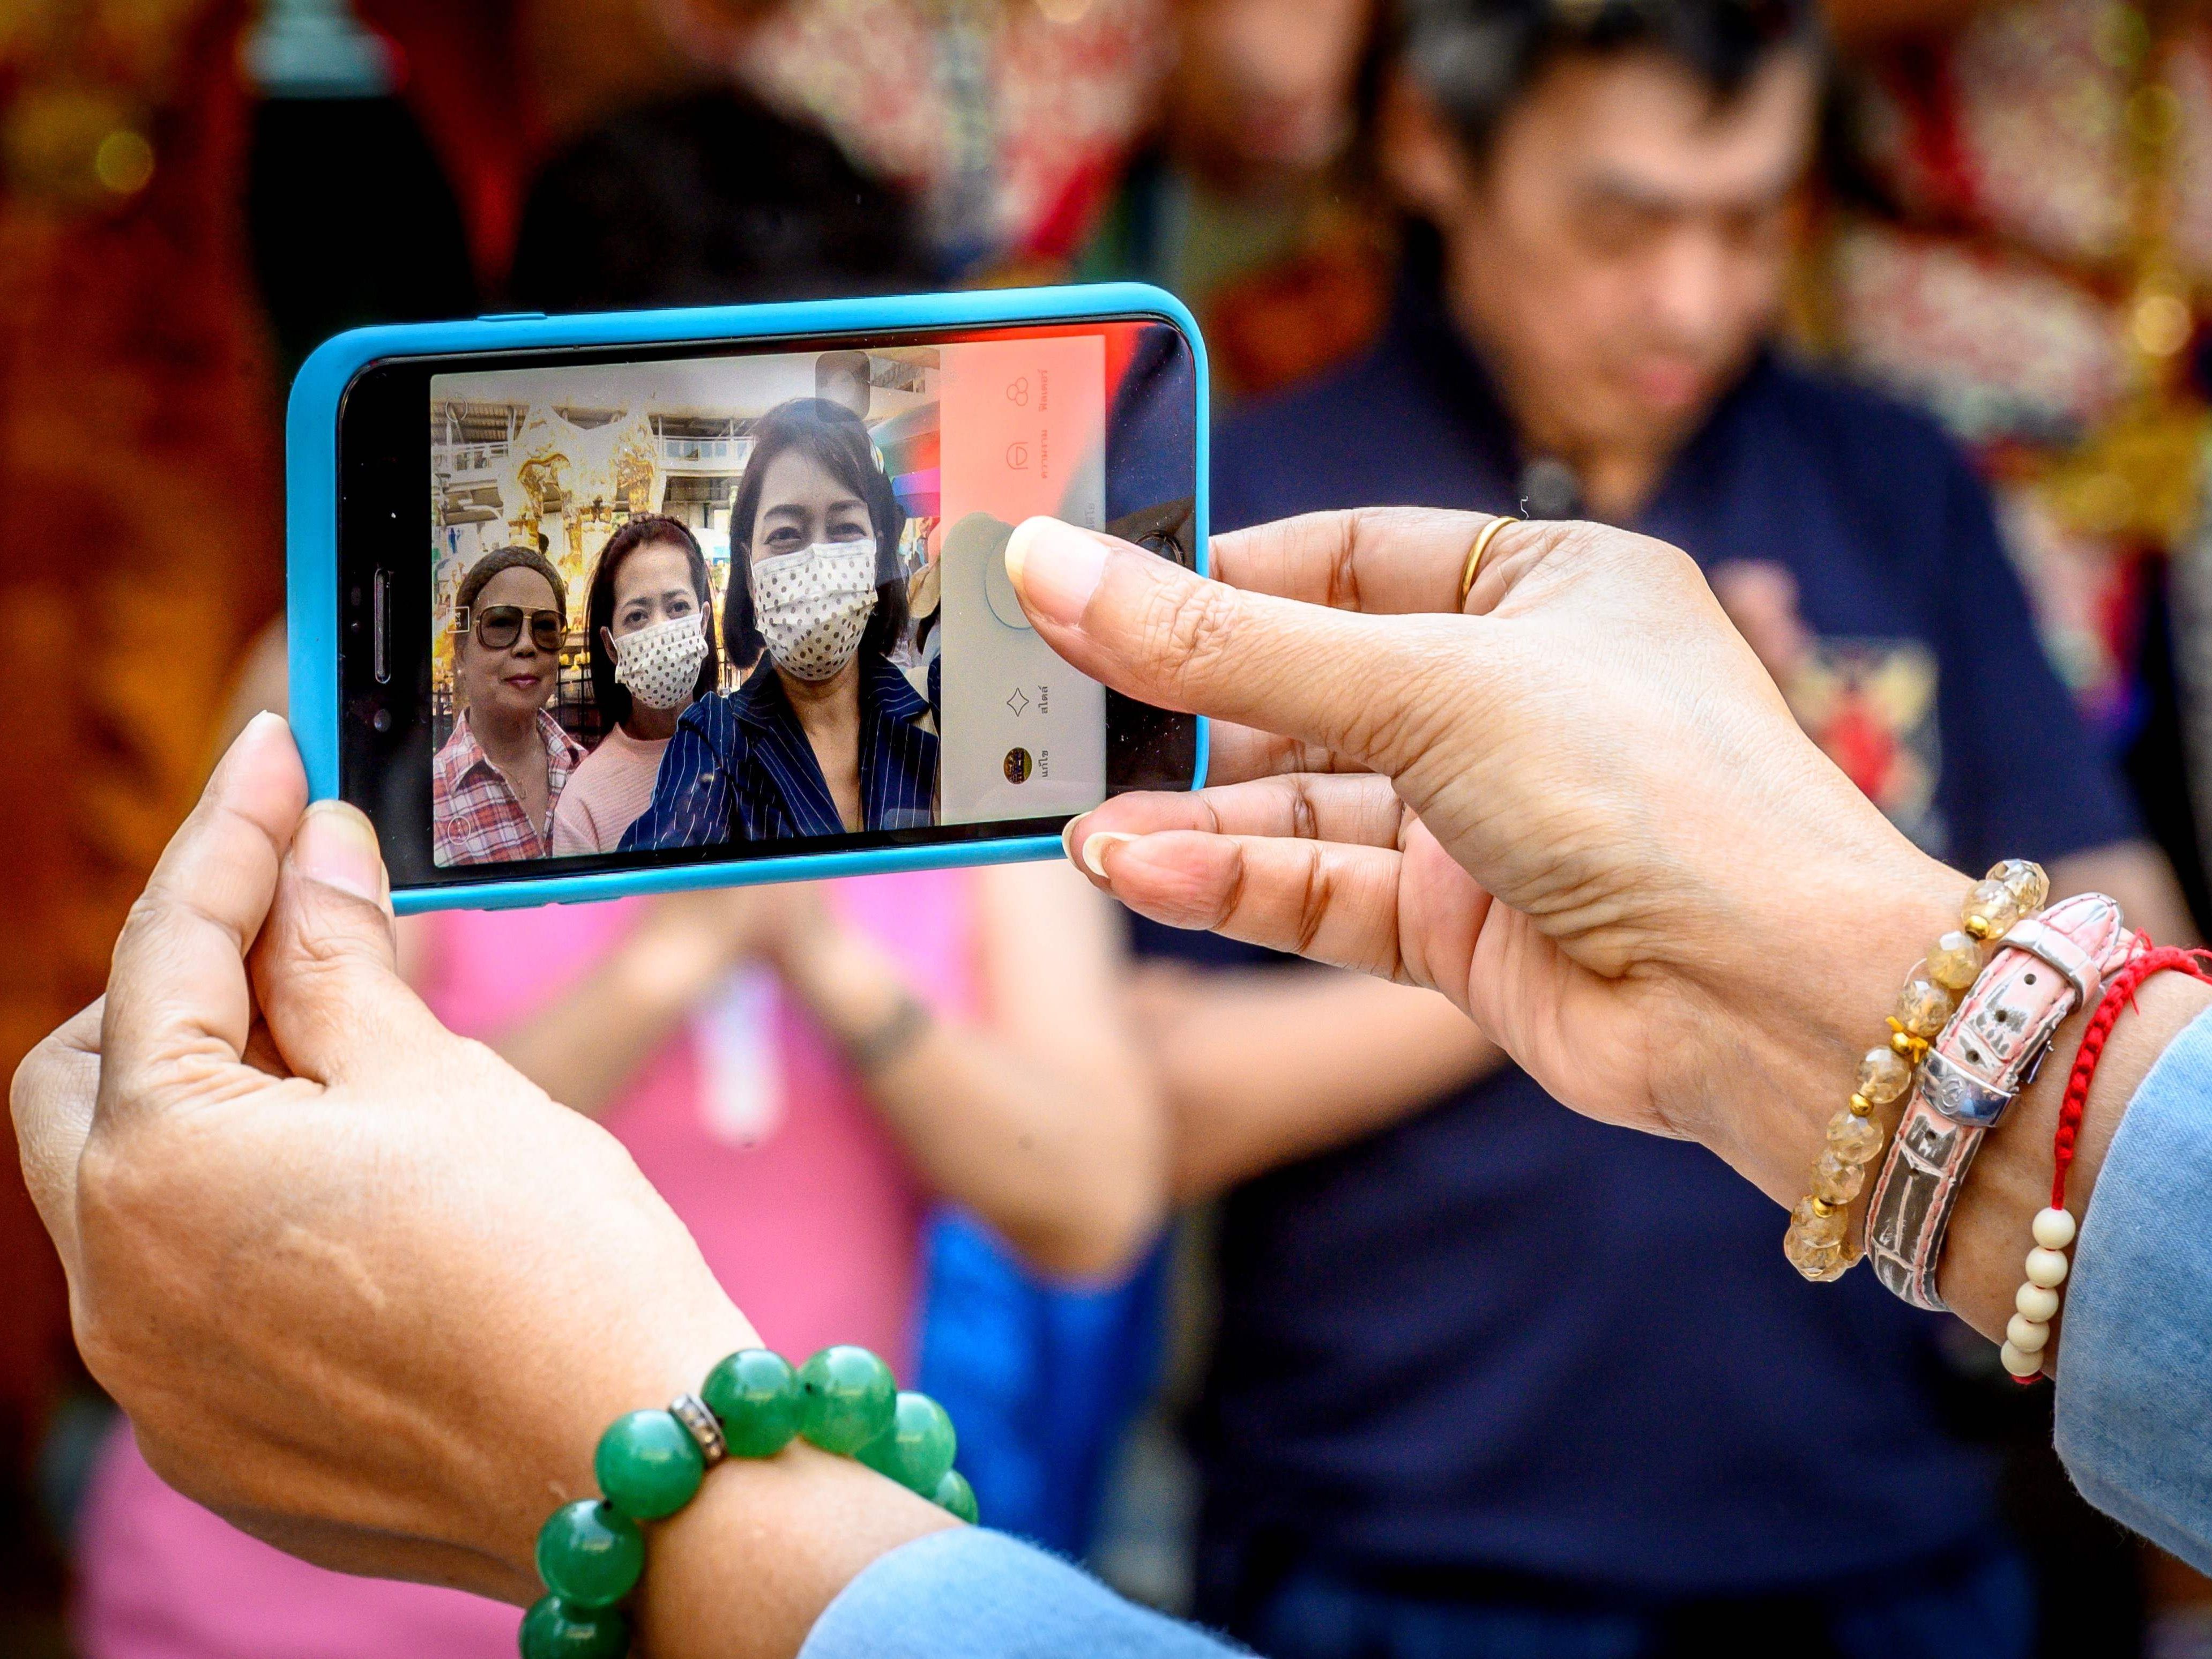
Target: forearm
<point x="585" y="1044"/>
<point x="1059" y="1151"/>
<point x="1266" y="1067"/>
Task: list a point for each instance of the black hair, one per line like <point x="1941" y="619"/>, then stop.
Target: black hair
<point x="648" y="530"/>
<point x="1478" y="58"/>
<point x="833" y="435"/>
<point x="511" y="558"/>
<point x="708" y="196"/>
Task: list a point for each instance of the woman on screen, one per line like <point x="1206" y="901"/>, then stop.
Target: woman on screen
<point x="826" y="736"/>
<point x="495" y="783"/>
<point x="650" y="614"/>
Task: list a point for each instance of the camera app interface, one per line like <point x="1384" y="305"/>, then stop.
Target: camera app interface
<point x="711" y="601"/>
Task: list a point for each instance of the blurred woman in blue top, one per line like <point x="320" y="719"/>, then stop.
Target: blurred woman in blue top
<point x="825" y="736"/>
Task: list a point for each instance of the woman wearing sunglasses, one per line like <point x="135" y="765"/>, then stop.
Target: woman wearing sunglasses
<point x="494" y="783"/>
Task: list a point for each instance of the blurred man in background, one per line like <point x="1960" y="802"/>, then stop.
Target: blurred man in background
<point x="1251" y="200"/>
<point x="1473" y="1392"/>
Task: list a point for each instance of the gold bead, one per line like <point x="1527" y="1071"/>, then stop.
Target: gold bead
<point x="1860" y="1105"/>
<point x="1980" y="928"/>
<point x="1821" y="1205"/>
<point x="1901" y="1042"/>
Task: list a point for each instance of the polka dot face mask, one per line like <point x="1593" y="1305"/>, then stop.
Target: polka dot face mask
<point x="658" y="665"/>
<point x="812" y="605"/>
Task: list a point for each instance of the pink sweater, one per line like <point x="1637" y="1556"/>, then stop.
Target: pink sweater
<point x="809" y="1217"/>
<point x="606" y="794"/>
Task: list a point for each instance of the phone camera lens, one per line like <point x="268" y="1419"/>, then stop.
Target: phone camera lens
<point x="381" y="720"/>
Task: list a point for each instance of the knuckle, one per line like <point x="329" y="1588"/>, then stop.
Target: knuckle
<point x="35" y="1081"/>
<point x="1394" y="730"/>
<point x="1187" y="629"/>
<point x="1313" y="901"/>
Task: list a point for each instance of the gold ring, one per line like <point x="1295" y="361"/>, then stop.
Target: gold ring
<point x="1474" y="553"/>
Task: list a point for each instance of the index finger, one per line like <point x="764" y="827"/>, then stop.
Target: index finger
<point x="50" y="1101"/>
<point x="176" y="987"/>
<point x="1382" y="561"/>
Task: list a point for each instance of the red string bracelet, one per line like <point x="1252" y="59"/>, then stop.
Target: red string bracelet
<point x="2120" y="995"/>
<point x="2029" y="1331"/>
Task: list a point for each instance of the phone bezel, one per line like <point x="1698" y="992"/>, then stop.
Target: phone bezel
<point x="320" y="607"/>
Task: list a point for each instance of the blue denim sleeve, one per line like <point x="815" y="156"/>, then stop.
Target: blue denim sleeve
<point x="971" y="1594"/>
<point x="2134" y="1370"/>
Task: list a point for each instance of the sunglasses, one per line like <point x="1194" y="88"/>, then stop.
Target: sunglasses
<point x="499" y="626"/>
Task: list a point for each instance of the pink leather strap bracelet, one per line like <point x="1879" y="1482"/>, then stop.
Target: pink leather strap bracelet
<point x="2043" y="969"/>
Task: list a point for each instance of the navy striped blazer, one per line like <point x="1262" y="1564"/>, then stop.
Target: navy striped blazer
<point x="739" y="767"/>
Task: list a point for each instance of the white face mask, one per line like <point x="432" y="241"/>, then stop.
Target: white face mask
<point x="658" y="665"/>
<point x="812" y="606"/>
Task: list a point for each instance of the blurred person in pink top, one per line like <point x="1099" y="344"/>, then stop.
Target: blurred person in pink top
<point x="799" y="1070"/>
<point x="650" y="617"/>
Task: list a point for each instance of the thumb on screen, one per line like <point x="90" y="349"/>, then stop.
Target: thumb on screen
<point x="1155" y="632"/>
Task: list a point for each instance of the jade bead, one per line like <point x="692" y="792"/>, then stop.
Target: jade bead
<point x="850" y="1395"/>
<point x="555" y="1630"/>
<point x="648" y="1465"/>
<point x="755" y="1396"/>
<point x="590" y="1553"/>
<point x="956" y="1497"/>
<point x="918" y="1448"/>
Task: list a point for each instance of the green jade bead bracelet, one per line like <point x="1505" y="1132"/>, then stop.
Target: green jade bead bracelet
<point x="650" y="1464"/>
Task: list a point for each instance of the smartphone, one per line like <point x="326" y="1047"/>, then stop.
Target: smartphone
<point x="584" y="607"/>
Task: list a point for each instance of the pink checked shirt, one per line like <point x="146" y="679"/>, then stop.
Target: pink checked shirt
<point x="476" y="817"/>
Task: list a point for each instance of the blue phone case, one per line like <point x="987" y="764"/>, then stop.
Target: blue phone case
<point x="311" y="428"/>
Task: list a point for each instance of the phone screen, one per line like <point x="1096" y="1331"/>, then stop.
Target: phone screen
<point x="729" y="603"/>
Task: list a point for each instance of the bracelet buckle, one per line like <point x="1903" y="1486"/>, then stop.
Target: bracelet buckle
<point x="1960" y="1095"/>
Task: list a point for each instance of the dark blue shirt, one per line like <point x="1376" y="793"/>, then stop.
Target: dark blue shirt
<point x="739" y="767"/>
<point x="1501" y="1339"/>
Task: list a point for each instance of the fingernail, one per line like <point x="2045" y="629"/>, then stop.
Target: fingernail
<point x="253" y="734"/>
<point x="1067" y="837"/>
<point x="1054" y="567"/>
<point x="1094" y="849"/>
<point x="336" y="845"/>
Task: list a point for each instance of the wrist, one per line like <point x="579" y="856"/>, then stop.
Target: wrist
<point x="1780" y="1031"/>
<point x="846" y="980"/>
<point x="810" y="946"/>
<point x="660" y="1349"/>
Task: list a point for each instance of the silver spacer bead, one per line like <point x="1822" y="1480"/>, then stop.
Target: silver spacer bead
<point x="691" y="1412"/>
